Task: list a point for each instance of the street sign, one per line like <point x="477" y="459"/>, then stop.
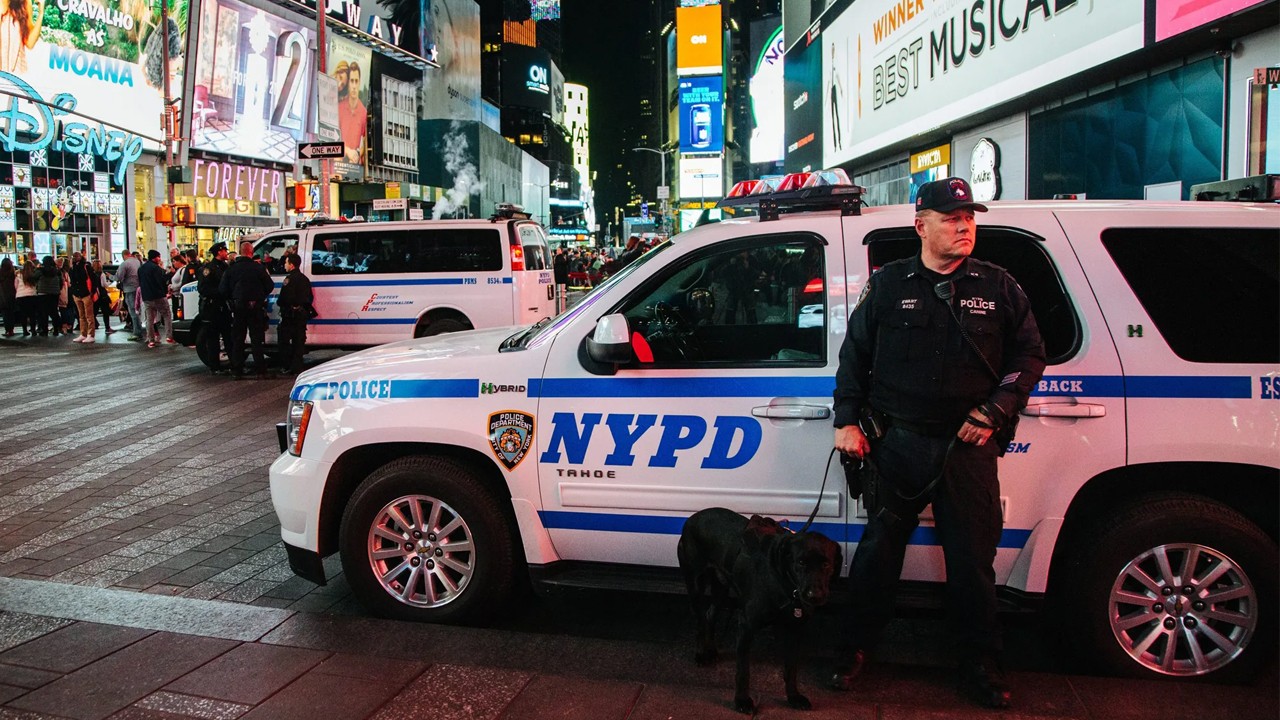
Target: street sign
<point x="390" y="204"/>
<point x="644" y="211"/>
<point x="318" y="151"/>
<point x="664" y="192"/>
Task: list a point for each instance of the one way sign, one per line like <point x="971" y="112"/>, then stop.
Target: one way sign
<point x="316" y="151"/>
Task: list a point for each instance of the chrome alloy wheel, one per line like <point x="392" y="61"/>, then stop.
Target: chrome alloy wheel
<point x="421" y="551"/>
<point x="1183" y="609"/>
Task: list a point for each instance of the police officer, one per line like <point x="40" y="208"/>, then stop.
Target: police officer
<point x="941" y="353"/>
<point x="247" y="284"/>
<point x="295" y="303"/>
<point x="214" y="313"/>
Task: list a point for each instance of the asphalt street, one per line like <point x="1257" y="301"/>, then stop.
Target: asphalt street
<point x="142" y="576"/>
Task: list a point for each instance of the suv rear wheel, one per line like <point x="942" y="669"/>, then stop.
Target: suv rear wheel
<point x="1172" y="585"/>
<point x="422" y="539"/>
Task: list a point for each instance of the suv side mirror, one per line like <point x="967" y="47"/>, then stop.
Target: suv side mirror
<point x="611" y="342"/>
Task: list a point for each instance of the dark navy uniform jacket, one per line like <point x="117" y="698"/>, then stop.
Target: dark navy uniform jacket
<point x="904" y="354"/>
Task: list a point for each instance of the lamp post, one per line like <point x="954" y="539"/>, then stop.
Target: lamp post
<point x="661" y="153"/>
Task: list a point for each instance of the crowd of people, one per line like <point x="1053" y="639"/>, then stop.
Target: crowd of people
<point x="586" y="267"/>
<point x="60" y="296"/>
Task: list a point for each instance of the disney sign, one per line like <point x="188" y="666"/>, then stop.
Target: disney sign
<point x="28" y="122"/>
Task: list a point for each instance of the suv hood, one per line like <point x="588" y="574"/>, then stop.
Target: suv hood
<point x="418" y="357"/>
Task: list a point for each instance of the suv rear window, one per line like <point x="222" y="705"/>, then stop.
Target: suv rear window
<point x="1213" y="293"/>
<point x="435" y="250"/>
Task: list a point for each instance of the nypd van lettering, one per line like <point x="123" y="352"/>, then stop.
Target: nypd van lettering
<point x="735" y="441"/>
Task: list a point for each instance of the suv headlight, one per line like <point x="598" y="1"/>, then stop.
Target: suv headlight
<point x="299" y="416"/>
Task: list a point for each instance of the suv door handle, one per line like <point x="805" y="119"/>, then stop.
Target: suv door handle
<point x="792" y="411"/>
<point x="1067" y="410"/>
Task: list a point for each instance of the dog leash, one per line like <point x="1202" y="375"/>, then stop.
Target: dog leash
<point x="821" y="490"/>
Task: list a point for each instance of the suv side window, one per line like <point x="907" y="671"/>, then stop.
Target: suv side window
<point x="1213" y="293"/>
<point x="1023" y="255"/>
<point x="748" y="303"/>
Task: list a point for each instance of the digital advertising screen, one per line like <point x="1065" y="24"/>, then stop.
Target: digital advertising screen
<point x="701" y="114"/>
<point x="699" y="40"/>
<point x="803" y="106"/>
<point x="701" y="177"/>
<point x="1173" y="17"/>
<point x="351" y="64"/>
<point x="892" y="71"/>
<point x="765" y="86"/>
<point x="106" y="54"/>
<point x="252" y="82"/>
<point x="526" y="77"/>
<point x="544" y="10"/>
<point x="451" y="31"/>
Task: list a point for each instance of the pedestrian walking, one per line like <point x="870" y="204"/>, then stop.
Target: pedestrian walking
<point x="296" y="308"/>
<point x="103" y="303"/>
<point x="25" y="295"/>
<point x="215" y="314"/>
<point x="48" y="288"/>
<point x="127" y="283"/>
<point x="247" y="284"/>
<point x="8" y="295"/>
<point x="84" y="292"/>
<point x="155" y="299"/>
<point x="941" y="353"/>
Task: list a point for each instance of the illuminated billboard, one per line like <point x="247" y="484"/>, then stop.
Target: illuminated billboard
<point x="701" y="114"/>
<point x="701" y="177"/>
<point x="699" y="40"/>
<point x="252" y="82"/>
<point x="526" y="77"/>
<point x="765" y="87"/>
<point x="803" y="105"/>
<point x="106" y="53"/>
<point x="892" y="71"/>
<point x="544" y="10"/>
<point x="373" y="20"/>
<point x="452" y="34"/>
<point x="1173" y="17"/>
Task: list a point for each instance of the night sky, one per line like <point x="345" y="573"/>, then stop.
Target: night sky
<point x="601" y="43"/>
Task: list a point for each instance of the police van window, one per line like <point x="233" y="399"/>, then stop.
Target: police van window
<point x="420" y="250"/>
<point x="1023" y="255"/>
<point x="534" y="242"/>
<point x="270" y="251"/>
<point x="1212" y="293"/>
<point x="743" y="304"/>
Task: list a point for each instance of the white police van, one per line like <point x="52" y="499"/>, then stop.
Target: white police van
<point x="385" y="281"/>
<point x="1140" y="495"/>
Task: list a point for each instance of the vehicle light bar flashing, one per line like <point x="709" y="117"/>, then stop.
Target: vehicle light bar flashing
<point x="816" y="190"/>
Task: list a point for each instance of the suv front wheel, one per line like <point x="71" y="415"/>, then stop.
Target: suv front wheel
<point x="422" y="539"/>
<point x="1173" y="585"/>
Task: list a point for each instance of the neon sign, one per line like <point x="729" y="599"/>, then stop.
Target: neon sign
<point x="31" y="116"/>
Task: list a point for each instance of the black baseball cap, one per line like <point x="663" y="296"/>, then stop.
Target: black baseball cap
<point x="946" y="195"/>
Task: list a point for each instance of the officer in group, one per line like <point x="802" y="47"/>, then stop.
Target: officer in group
<point x="247" y="284"/>
<point x="296" y="305"/>
<point x="214" y="312"/>
<point x="941" y="353"/>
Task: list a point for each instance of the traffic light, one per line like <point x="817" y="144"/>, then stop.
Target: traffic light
<point x="184" y="215"/>
<point x="164" y="214"/>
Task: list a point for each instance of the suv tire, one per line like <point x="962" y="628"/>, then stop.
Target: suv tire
<point x="1128" y="601"/>
<point x="423" y="539"/>
<point x="440" y="327"/>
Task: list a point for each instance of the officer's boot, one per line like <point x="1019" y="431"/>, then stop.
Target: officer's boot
<point x="982" y="680"/>
<point x="848" y="668"/>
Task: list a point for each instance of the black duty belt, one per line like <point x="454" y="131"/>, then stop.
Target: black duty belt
<point x="927" y="429"/>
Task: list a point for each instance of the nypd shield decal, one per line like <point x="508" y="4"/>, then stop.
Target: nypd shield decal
<point x="510" y="436"/>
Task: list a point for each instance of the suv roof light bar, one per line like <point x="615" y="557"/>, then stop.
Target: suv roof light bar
<point x="816" y="190"/>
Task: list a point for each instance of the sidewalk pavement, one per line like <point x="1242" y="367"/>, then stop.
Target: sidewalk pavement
<point x="89" y="653"/>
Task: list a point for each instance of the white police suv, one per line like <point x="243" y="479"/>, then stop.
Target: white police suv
<point x="1140" y="496"/>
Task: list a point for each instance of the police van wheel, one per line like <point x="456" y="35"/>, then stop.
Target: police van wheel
<point x="423" y="540"/>
<point x="440" y="327"/>
<point x="201" y="347"/>
<point x="1175" y="586"/>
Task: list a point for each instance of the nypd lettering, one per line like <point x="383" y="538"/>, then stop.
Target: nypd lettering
<point x="510" y="436"/>
<point x="734" y="440"/>
<point x="977" y="306"/>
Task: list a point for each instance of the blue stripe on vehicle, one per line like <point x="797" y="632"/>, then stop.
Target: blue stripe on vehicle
<point x="387" y="389"/>
<point x="1158" y="386"/>
<point x="666" y="525"/>
<point x="403" y="283"/>
<point x="362" y="321"/>
<point x="694" y="387"/>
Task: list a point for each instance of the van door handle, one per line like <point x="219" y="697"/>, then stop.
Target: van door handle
<point x="792" y="411"/>
<point x="1067" y="410"/>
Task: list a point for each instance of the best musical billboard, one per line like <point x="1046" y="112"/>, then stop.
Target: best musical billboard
<point x="252" y="82"/>
<point x="893" y="70"/>
<point x="699" y="40"/>
<point x="701" y="114"/>
<point x="107" y="53"/>
<point x="1173" y="17"/>
<point x="768" y="143"/>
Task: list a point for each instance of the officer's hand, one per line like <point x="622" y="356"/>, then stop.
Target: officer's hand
<point x="851" y="441"/>
<point x="973" y="434"/>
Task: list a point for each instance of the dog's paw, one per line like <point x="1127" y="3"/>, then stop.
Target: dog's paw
<point x="744" y="705"/>
<point x="705" y="658"/>
<point x="799" y="702"/>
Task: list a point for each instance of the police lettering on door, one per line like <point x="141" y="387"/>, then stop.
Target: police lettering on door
<point x="727" y="442"/>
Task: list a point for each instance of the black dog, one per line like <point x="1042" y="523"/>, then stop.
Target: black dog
<point x="778" y="576"/>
